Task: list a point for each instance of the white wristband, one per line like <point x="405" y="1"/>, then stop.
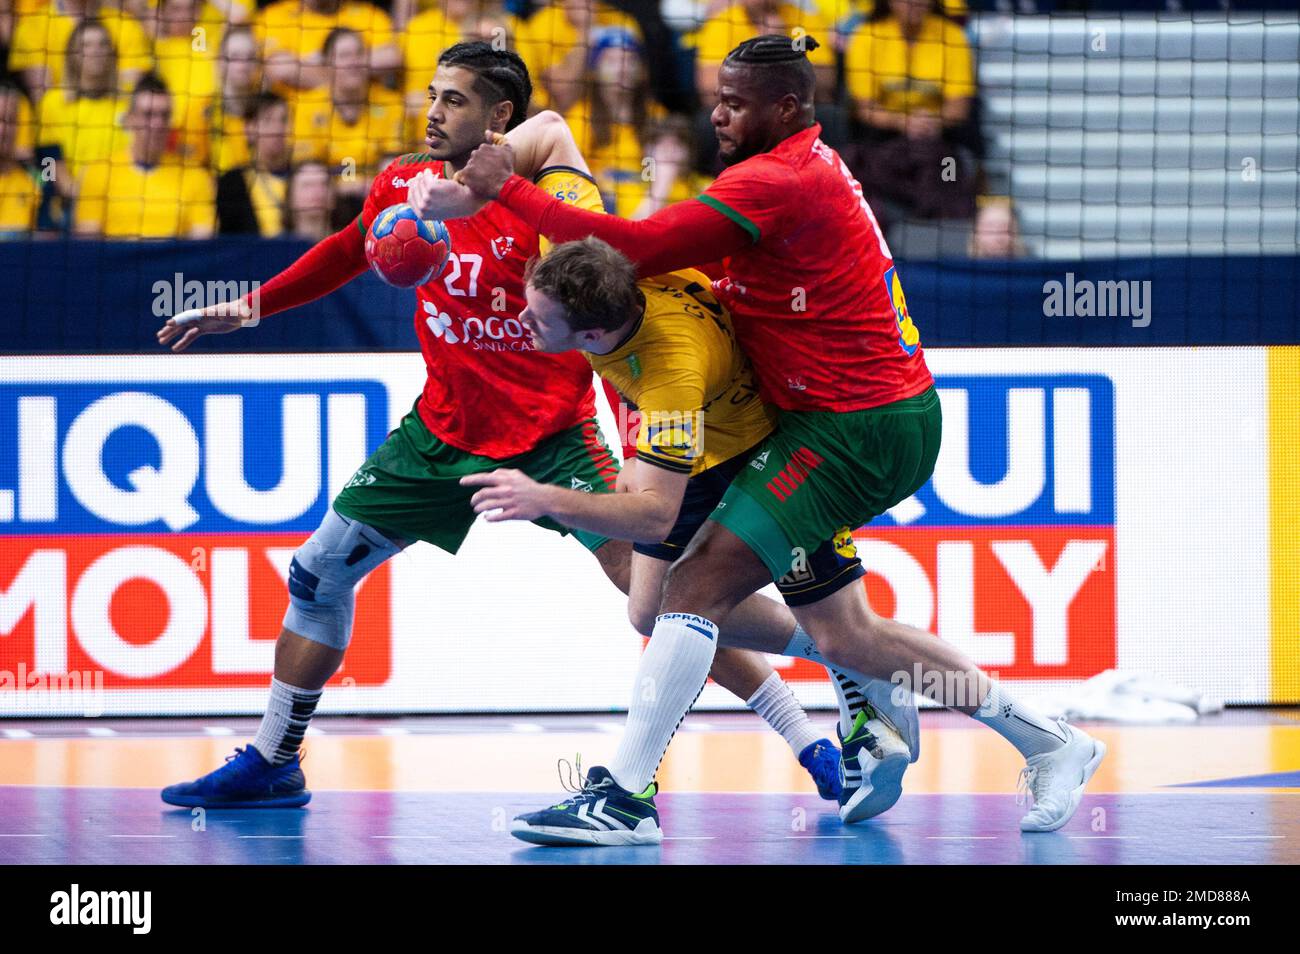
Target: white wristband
<point x="194" y="314"/>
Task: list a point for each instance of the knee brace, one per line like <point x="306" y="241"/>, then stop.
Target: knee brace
<point x="324" y="574"/>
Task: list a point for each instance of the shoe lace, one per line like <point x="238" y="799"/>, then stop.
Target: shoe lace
<point x="237" y="766"/>
<point x="572" y="780"/>
<point x="1032" y="781"/>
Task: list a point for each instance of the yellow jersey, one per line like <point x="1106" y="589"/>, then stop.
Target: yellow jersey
<point x="683" y="371"/>
<point x="20" y="197"/>
<point x="123" y="200"/>
<point x="723" y="32"/>
<point x="881" y="66"/>
<point x="321" y="133"/>
<point x="547" y="37"/>
<point x="289" y="26"/>
<point x="85" y="129"/>
<point x="41" y="37"/>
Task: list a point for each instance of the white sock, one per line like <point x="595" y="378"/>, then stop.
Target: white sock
<point x="285" y="723"/>
<point x="775" y="702"/>
<point x="848" y="684"/>
<point x="1019" y="724"/>
<point x="672" y="672"/>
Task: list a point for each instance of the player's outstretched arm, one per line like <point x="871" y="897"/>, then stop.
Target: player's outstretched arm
<point x="681" y="235"/>
<point x="644" y="511"/>
<point x="329" y="264"/>
<point x="541" y="142"/>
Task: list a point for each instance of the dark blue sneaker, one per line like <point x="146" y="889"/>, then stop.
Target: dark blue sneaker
<point x="875" y="758"/>
<point x="822" y="760"/>
<point x="246" y="781"/>
<point x="600" y="813"/>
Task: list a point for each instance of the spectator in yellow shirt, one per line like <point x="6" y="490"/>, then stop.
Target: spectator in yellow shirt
<point x="911" y="68"/>
<point x="252" y="198"/>
<point x="671" y="159"/>
<point x="309" y="205"/>
<point x="911" y="82"/>
<point x="845" y="16"/>
<point x="432" y="31"/>
<point x="724" y="31"/>
<point x="79" y="122"/>
<point x="350" y="124"/>
<point x="41" y="37"/>
<point x="556" y="44"/>
<point x="188" y="65"/>
<point x="607" y="122"/>
<point x="20" y="187"/>
<point x="292" y="36"/>
<point x="144" y="191"/>
<point x="219" y="125"/>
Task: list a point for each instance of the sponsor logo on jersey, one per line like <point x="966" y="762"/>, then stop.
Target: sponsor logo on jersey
<point x="843" y="543"/>
<point x="493" y="333"/>
<point x="400" y="183"/>
<point x="578" y="484"/>
<point x="439" y="322"/>
<point x="674" y="434"/>
<point x="759" y="462"/>
<point x="796" y="384"/>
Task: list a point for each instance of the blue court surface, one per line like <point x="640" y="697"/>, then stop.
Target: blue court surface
<point x="409" y="791"/>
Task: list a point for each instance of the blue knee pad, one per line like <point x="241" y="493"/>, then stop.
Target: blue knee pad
<point x="324" y="575"/>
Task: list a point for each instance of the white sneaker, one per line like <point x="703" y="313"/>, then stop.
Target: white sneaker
<point x="1056" y="780"/>
<point x="875" y="756"/>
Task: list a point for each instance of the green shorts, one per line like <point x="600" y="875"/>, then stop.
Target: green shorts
<point x="821" y="473"/>
<point x="410" y="487"/>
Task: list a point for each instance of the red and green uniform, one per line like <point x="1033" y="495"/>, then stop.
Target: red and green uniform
<point x="490" y="399"/>
<point x="818" y="306"/>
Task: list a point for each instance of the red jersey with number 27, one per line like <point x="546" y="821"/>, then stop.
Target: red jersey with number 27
<point x="489" y="391"/>
<point x="816" y="302"/>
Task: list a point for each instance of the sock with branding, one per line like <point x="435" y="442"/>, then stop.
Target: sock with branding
<point x="285" y="723"/>
<point x="848" y="684"/>
<point x="1019" y="724"/>
<point x="669" y="678"/>
<point x="775" y="702"/>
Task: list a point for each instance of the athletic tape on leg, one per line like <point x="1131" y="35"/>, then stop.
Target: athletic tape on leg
<point x="324" y="574"/>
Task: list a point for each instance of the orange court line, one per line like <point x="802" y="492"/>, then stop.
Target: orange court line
<point x="954" y="760"/>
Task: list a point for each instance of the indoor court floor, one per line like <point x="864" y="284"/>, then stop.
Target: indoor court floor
<point x="443" y="790"/>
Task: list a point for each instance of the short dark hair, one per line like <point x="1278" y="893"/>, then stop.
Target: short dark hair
<point x="779" y="65"/>
<point x="499" y="74"/>
<point x="149" y="83"/>
<point x="591" y="280"/>
<point x="332" y="38"/>
<point x="264" y="101"/>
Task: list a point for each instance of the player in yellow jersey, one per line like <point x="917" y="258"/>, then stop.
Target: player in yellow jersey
<point x="666" y="344"/>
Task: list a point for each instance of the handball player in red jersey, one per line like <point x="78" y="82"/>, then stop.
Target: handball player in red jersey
<point x="490" y="400"/>
<point x="818" y="306"/>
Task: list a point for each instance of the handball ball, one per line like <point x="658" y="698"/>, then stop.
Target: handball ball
<point x="404" y="249"/>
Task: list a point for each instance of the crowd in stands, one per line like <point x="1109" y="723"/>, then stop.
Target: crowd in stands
<point x="189" y="118"/>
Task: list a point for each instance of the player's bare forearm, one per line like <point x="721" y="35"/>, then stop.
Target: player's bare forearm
<point x="640" y="516"/>
<point x="542" y="142"/>
<point x="645" y="512"/>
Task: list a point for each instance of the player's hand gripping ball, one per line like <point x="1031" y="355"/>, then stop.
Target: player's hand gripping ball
<point x="404" y="249"/>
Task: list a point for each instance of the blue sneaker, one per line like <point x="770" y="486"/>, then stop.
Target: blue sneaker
<point x="600" y="813"/>
<point x="875" y="758"/>
<point x="246" y="781"/>
<point x="822" y="760"/>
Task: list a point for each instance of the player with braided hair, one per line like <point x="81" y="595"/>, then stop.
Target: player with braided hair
<point x="490" y="400"/>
